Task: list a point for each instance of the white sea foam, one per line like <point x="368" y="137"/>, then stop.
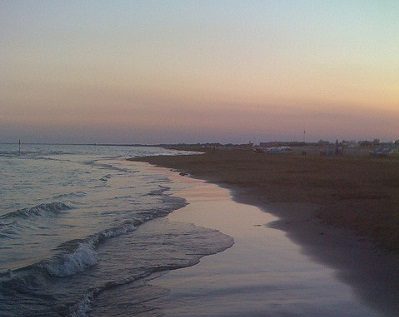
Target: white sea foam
<point x="82" y="258"/>
<point x="45" y="248"/>
<point x="83" y="306"/>
<point x="84" y="255"/>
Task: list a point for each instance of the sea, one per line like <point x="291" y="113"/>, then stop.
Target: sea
<point x="82" y="229"/>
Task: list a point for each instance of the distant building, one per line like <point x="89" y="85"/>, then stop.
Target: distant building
<point x="349" y="144"/>
<point x="268" y="144"/>
<point x="382" y="150"/>
<point x="322" y="142"/>
<point x="365" y="143"/>
<point x="376" y="141"/>
<point x="332" y="149"/>
<point x="277" y="144"/>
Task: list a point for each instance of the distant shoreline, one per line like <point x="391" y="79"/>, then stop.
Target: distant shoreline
<point x="321" y="202"/>
<point x="84" y="144"/>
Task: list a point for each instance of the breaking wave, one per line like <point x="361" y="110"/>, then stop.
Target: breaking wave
<point x="39" y="210"/>
<point x="79" y="255"/>
<point x="75" y="256"/>
<point x="13" y="222"/>
<point x="223" y="242"/>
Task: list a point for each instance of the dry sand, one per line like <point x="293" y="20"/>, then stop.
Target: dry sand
<point x="318" y="200"/>
<point x="361" y="194"/>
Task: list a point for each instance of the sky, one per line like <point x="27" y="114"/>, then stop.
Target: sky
<point x="198" y="71"/>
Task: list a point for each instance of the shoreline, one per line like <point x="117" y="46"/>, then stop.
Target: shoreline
<point x="263" y="274"/>
<point x="372" y="272"/>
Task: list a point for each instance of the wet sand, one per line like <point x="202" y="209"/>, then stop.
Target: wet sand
<point x="370" y="271"/>
<point x="357" y="193"/>
<point x="262" y="274"/>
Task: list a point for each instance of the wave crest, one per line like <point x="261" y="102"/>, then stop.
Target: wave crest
<point x="80" y="255"/>
<point x="71" y="263"/>
<point x="38" y="210"/>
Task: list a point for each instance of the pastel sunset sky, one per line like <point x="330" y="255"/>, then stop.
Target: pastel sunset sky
<point x="195" y="71"/>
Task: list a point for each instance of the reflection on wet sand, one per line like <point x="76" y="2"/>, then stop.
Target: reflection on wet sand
<point x="263" y="274"/>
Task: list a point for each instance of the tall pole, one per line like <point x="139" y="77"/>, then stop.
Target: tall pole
<point x="19" y="146"/>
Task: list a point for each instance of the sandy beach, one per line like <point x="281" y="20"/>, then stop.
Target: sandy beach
<point x="199" y="158"/>
<point x="302" y="193"/>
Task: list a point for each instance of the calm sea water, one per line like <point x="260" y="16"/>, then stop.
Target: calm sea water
<point x="77" y="222"/>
